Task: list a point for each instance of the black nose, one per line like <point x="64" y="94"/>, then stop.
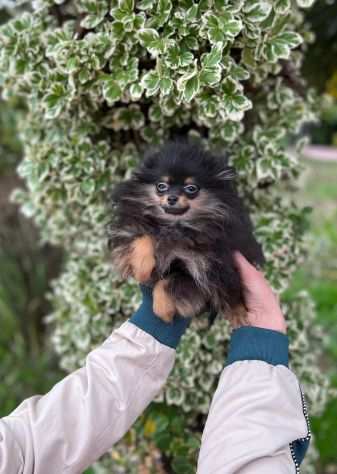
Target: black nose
<point x="172" y="200"/>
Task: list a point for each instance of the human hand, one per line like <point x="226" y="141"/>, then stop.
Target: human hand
<point x="262" y="305"/>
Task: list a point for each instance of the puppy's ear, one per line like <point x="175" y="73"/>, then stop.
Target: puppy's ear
<point x="150" y="161"/>
<point x="147" y="164"/>
<point x="226" y="174"/>
<point x="150" y="158"/>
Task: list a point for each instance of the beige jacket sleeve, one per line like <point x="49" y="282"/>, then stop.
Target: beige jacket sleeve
<point x="70" y="427"/>
<point x="257" y="423"/>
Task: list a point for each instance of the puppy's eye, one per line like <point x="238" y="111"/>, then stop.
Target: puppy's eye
<point x="191" y="189"/>
<point x="162" y="187"/>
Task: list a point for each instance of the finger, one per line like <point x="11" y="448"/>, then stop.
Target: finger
<point x="246" y="270"/>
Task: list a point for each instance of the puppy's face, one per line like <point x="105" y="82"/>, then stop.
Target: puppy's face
<point x="176" y="196"/>
<point x="181" y="185"/>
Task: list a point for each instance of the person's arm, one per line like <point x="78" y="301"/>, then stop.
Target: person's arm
<point x="71" y="426"/>
<point x="258" y="420"/>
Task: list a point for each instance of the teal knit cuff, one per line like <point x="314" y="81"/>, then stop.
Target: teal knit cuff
<point x="254" y="343"/>
<point x="166" y="333"/>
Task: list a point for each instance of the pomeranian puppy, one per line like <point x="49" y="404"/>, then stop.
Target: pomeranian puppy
<point x="175" y="225"/>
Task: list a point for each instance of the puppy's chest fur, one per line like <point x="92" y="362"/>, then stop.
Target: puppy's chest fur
<point x="180" y="249"/>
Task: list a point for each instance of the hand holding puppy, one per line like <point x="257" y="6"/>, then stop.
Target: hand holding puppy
<point x="262" y="305"/>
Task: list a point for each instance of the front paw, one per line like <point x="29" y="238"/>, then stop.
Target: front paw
<point x="142" y="272"/>
<point x="163" y="305"/>
<point x="239" y="316"/>
<point x="142" y="259"/>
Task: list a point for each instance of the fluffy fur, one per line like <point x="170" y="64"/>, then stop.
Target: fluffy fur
<point x="187" y="257"/>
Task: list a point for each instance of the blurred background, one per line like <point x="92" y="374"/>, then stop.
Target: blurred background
<point x="27" y="363"/>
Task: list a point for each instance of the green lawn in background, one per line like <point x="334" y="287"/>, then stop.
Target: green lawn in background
<point x="319" y="276"/>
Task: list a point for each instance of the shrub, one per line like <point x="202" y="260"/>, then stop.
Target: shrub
<point x="101" y="80"/>
<point x="27" y="366"/>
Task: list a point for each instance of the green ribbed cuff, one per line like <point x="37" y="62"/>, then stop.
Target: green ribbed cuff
<point x="166" y="333"/>
<point x="254" y="343"/>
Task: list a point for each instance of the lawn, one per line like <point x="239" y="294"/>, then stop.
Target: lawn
<point x="319" y="276"/>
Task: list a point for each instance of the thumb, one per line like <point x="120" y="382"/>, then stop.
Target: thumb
<point x="247" y="271"/>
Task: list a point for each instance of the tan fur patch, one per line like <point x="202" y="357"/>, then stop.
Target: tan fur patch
<point x="163" y="305"/>
<point x="239" y="315"/>
<point x="142" y="258"/>
<point x="183" y="201"/>
<point x="163" y="200"/>
<point x="189" y="180"/>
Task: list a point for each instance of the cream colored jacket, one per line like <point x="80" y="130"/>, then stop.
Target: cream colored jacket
<point x="256" y="422"/>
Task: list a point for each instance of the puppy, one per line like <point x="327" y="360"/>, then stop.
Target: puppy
<point x="175" y="225"/>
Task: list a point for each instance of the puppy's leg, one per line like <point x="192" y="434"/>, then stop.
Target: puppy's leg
<point x="238" y="315"/>
<point x="163" y="305"/>
<point x="142" y="260"/>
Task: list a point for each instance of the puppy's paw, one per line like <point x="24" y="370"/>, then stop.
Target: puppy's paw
<point x="142" y="272"/>
<point x="163" y="305"/>
<point x="238" y="316"/>
<point x="142" y="258"/>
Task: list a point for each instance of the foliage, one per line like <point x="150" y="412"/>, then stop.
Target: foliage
<point x="10" y="147"/>
<point x="101" y="80"/>
<point x="320" y="68"/>
<point x="27" y="367"/>
<point x="327" y="134"/>
<point x="320" y="64"/>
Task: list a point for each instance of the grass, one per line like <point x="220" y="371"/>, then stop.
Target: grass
<point x="319" y="276"/>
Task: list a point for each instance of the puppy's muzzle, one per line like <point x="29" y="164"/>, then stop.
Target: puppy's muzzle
<point x="173" y="205"/>
<point x="175" y="210"/>
<point x="172" y="199"/>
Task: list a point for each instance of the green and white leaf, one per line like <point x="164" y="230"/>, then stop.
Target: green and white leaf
<point x="210" y="76"/>
<point x="166" y="85"/>
<point x="213" y="58"/>
<point x="150" y="82"/>
<point x="111" y="91"/>
<point x="189" y="85"/>
<point x="282" y="6"/>
<point x="257" y="11"/>
<point x="136" y="91"/>
<point x="280" y="46"/>
<point x="305" y="3"/>
<point x="150" y="39"/>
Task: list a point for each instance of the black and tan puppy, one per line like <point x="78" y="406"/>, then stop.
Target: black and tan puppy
<point x="176" y="223"/>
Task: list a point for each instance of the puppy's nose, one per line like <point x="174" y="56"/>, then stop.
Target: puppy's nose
<point x="172" y="200"/>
